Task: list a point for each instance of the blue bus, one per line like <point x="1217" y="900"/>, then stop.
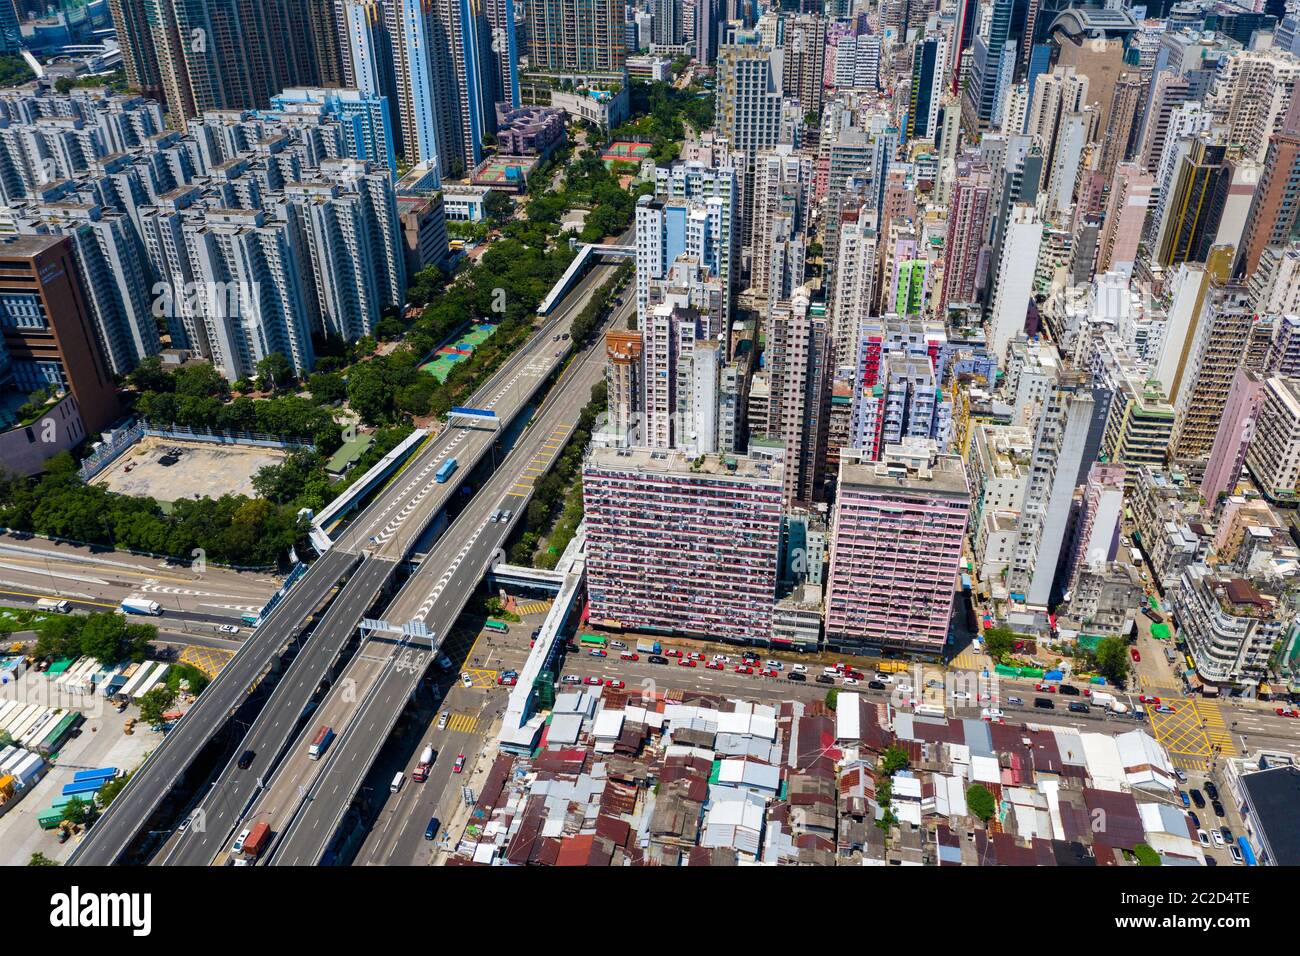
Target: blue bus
<point x="445" y="471"/>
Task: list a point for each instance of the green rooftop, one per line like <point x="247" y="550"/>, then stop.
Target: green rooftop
<point x="348" y="453"/>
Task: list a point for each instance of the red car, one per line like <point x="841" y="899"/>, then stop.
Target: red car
<point x="856" y="675"/>
<point x="695" y="656"/>
<point x="459" y="765"/>
<point x="507" y="681"/>
<point x="1045" y="688"/>
<point x="1283" y="712"/>
<point x="1133" y="653"/>
<point x="592" y="681"/>
<point x="742" y="669"/>
<point x="714" y="665"/>
<point x="673" y="653"/>
<point x="1148" y="699"/>
<point x="616" y="684"/>
<point x="686" y="662"/>
<point x="597" y="652"/>
<point x="629" y="656"/>
<point x="771" y="673"/>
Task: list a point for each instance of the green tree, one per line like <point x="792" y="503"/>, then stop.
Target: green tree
<point x="894" y="759"/>
<point x="77" y="811"/>
<point x="274" y="372"/>
<point x="327" y="387"/>
<point x="40" y="859"/>
<point x="1146" y="856"/>
<point x="498" y="207"/>
<point x="980" y="801"/>
<point x="832" y="698"/>
<point x="999" y="642"/>
<point x="111" y="789"/>
<point x="156" y="703"/>
<point x="1111" y="656"/>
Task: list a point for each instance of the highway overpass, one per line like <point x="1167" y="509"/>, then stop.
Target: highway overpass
<point x="383" y="535"/>
<point x="316" y="804"/>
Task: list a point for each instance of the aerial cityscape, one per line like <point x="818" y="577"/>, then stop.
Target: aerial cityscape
<point x="650" y="433"/>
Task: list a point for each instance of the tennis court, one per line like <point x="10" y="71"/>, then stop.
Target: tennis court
<point x="445" y="360"/>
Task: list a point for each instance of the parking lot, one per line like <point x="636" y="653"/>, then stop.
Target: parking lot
<point x="202" y="469"/>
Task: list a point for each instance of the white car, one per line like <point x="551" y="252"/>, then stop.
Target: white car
<point x="466" y="680"/>
<point x="442" y="720"/>
<point x="775" y="665"/>
<point x="799" y="668"/>
<point x="1217" y="837"/>
<point x="850" y="682"/>
<point x="1203" y="837"/>
<point x="239" y="841"/>
<point x="227" y="629"/>
<point x="572" y="679"/>
<point x="960" y="695"/>
<point x="722" y="658"/>
<point x="885" y="678"/>
<point x="992" y="714"/>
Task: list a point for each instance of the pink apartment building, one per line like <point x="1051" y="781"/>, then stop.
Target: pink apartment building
<point x="682" y="545"/>
<point x="895" y="549"/>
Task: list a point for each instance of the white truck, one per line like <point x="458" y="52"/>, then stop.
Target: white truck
<point x="1109" y="701"/>
<point x="137" y="605"/>
<point x="53" y="604"/>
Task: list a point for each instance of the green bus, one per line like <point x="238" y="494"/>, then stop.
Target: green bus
<point x="493" y="625"/>
<point x="591" y="640"/>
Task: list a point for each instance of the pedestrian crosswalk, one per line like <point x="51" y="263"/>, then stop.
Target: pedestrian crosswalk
<point x="532" y="607"/>
<point x="1216" y="728"/>
<point x="463" y="723"/>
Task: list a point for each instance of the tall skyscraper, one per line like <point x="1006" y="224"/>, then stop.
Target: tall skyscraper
<point x="576" y="36"/>
<point x="895" y="550"/>
<point x="967" y="229"/>
<point x="1274" y="217"/>
<point x="749" y="111"/>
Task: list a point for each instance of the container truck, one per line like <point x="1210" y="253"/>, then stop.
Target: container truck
<point x="648" y="647"/>
<point x="135" y="605"/>
<point x="421" y="772"/>
<point x="258" y="836"/>
<point x="320" y="743"/>
<point x="53" y="604"/>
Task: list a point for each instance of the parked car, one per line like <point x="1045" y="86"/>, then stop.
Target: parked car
<point x="1191" y="815"/>
<point x="431" y="830"/>
<point x="796" y="675"/>
<point x="1077" y="707"/>
<point x="1182" y="795"/>
<point x="657" y="659"/>
<point x="673" y="653"/>
<point x="744" y="669"/>
<point x="1133" y="653"/>
<point x="715" y="665"/>
<point x="851" y="682"/>
<point x="1235" y="854"/>
<point x="1069" y="690"/>
<point x="1203" y="837"/>
<point x="824" y="679"/>
<point x="1166" y="709"/>
<point x="1211" y="790"/>
<point x="1148" y="699"/>
<point x="592" y="681"/>
<point x="1287" y="712"/>
<point x="1045" y="688"/>
<point x="1198" y="800"/>
<point x="1044" y="703"/>
<point x="1217" y="807"/>
<point x="1227" y="835"/>
<point x="227" y="629"/>
<point x="459" y="765"/>
<point x="597" y="652"/>
<point x="617" y="645"/>
<point x="1016" y="701"/>
<point x="616" y="684"/>
<point x="686" y="662"/>
<point x="572" y="679"/>
<point x="873" y="684"/>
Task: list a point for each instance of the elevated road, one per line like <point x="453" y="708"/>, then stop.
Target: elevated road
<point x="127" y="815"/>
<point x="385" y="530"/>
<point x="436" y="595"/>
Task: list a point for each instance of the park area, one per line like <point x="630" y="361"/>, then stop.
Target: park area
<point x="445" y="359"/>
<point x="202" y="469"/>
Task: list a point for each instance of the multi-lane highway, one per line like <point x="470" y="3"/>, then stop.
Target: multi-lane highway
<point x="32" y="568"/>
<point x="207" y="835"/>
<point x="379" y="537"/>
<point x="435" y="596"/>
<point x="126" y="816"/>
<point x="386" y="529"/>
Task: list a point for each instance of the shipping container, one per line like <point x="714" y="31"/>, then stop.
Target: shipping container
<point x="139" y="677"/>
<point x="62" y="729"/>
<point x="256" y="841"/>
<point x="49" y="819"/>
<point x="39" y="728"/>
<point x="86" y="786"/>
<point x="29" y="770"/>
<point x="153" y="681"/>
